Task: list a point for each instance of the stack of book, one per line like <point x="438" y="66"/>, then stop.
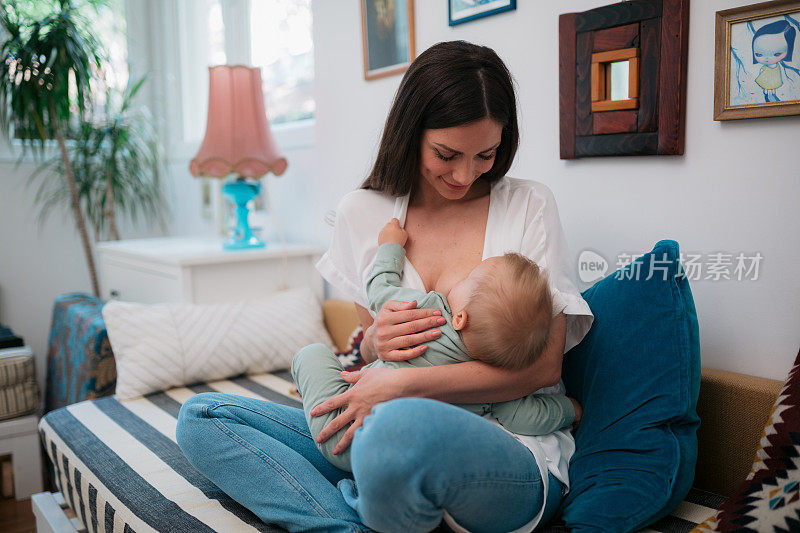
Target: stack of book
<point x="19" y="392"/>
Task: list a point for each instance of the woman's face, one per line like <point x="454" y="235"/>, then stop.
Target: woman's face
<point x="453" y="158"/>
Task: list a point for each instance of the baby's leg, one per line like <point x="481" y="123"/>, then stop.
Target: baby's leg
<point x="316" y="370"/>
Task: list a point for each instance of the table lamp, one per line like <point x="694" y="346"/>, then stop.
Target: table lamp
<point x="238" y="141"/>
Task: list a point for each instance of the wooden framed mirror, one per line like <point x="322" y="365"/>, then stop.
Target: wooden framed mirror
<point x="622" y="79"/>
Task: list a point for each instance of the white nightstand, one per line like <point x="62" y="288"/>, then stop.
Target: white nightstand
<point x="198" y="270"/>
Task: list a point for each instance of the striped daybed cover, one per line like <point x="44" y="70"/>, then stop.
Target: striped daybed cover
<point x="120" y="469"/>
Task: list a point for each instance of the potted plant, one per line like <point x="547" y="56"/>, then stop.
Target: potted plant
<point x="116" y="162"/>
<point x="46" y="69"/>
<point x="108" y="160"/>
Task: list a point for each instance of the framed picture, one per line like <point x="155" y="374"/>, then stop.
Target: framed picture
<point x="465" y="10"/>
<point x="387" y="33"/>
<point x="622" y="79"/>
<point x="757" y="67"/>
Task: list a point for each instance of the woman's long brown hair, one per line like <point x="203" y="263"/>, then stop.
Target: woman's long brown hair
<point x="450" y="84"/>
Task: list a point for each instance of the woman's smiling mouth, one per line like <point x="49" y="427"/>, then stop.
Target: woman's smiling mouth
<point x="454" y="187"/>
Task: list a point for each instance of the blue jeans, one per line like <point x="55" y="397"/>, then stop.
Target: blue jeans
<point x="412" y="458"/>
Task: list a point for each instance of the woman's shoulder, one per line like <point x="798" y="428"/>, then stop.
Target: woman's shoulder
<point x="360" y="198"/>
<point x="365" y="202"/>
<point x="531" y="192"/>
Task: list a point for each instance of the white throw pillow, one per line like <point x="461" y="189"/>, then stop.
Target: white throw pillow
<point x="157" y="347"/>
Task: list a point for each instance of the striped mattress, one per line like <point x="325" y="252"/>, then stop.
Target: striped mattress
<point x="120" y="469"/>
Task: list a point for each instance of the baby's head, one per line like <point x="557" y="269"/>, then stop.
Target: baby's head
<point x="503" y="310"/>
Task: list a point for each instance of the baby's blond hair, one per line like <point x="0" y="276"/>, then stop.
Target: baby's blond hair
<point x="509" y="314"/>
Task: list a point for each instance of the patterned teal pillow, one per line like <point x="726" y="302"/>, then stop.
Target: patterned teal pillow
<point x="637" y="376"/>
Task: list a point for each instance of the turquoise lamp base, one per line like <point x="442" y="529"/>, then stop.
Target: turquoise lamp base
<point x="240" y="192"/>
<point x="233" y="243"/>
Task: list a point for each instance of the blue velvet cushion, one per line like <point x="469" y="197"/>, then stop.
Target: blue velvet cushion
<point x="637" y="376"/>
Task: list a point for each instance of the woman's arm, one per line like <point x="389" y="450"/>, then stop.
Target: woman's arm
<point x="397" y="326"/>
<point x="470" y="382"/>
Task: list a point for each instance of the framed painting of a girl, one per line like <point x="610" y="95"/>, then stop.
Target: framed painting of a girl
<point x="758" y="61"/>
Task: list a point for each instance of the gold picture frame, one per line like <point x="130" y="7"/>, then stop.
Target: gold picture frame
<point x="387" y="37"/>
<point x="738" y="93"/>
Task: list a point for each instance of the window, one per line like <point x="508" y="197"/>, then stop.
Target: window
<point x="203" y="45"/>
<point x="275" y="35"/>
<point x="107" y="23"/>
<point x="109" y="27"/>
<point x="281" y="44"/>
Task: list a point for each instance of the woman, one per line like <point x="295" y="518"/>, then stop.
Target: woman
<point x="450" y="137"/>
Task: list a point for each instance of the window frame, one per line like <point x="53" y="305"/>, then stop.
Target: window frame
<point x="14" y="149"/>
<point x="173" y="31"/>
<point x="160" y="35"/>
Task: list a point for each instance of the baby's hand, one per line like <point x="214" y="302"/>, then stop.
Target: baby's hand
<point x="392" y="232"/>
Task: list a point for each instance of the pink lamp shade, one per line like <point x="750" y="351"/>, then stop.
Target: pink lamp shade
<point x="238" y="139"/>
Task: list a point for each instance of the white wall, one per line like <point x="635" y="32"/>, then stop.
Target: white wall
<point x="717" y="197"/>
<point x="722" y="195"/>
<point x="35" y="265"/>
<point x="38" y="261"/>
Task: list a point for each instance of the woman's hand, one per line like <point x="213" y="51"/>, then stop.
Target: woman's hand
<point x="578" y="413"/>
<point x="372" y="386"/>
<point x="400" y="325"/>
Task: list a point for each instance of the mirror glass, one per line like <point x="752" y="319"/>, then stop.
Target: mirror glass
<point x="618" y="75"/>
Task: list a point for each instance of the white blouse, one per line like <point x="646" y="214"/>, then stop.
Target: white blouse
<point x="523" y="218"/>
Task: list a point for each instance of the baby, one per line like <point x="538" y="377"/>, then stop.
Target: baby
<point x="499" y="314"/>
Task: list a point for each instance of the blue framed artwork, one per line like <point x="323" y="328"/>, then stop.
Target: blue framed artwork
<point x="460" y="11"/>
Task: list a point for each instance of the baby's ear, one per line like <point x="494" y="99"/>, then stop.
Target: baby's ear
<point x="460" y="320"/>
